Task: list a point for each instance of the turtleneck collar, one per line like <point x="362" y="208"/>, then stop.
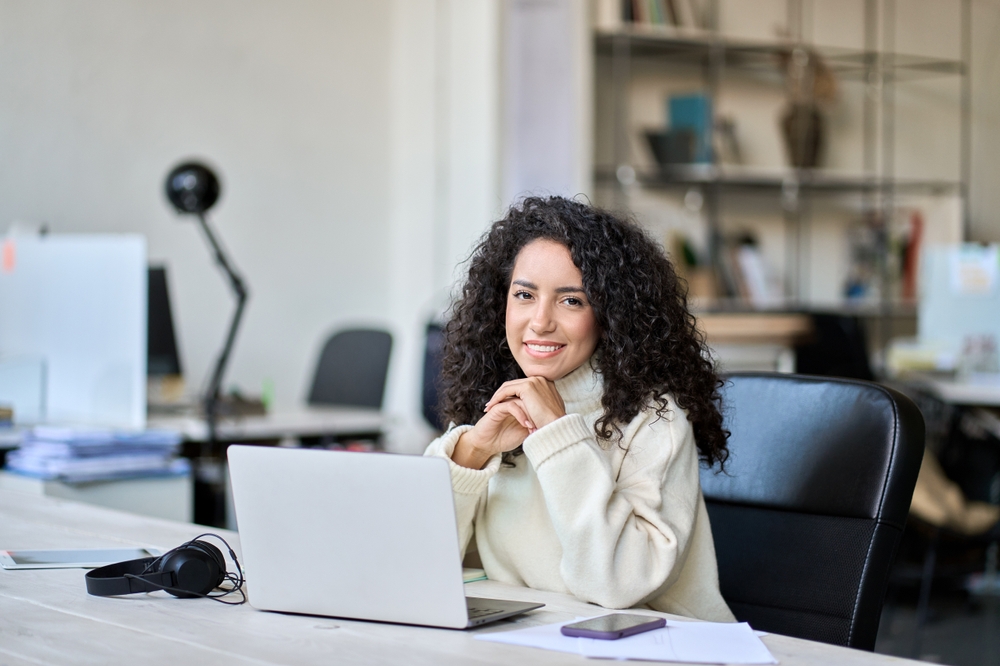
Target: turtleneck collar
<point x="581" y="389"/>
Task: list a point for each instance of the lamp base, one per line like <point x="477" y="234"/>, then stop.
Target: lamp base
<point x="236" y="405"/>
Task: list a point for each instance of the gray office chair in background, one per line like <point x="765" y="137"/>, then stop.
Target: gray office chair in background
<point x="808" y="514"/>
<point x="352" y="369"/>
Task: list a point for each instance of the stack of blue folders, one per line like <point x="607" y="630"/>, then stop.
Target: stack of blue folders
<point x="77" y="455"/>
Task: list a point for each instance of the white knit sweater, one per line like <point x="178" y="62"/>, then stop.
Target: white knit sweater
<point x="618" y="525"/>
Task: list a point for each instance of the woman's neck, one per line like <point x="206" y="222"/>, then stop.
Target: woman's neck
<point x="581" y="389"/>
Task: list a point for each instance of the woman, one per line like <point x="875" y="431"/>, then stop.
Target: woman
<point x="587" y="400"/>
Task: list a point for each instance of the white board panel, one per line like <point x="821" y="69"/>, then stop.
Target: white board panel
<point x="79" y="302"/>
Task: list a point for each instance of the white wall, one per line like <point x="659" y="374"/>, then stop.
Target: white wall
<point x="444" y="132"/>
<point x="355" y="141"/>
<point x="547" y="88"/>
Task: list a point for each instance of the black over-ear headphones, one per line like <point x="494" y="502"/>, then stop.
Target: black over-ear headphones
<point x="193" y="569"/>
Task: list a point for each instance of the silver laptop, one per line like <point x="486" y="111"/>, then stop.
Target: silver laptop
<point x="365" y="536"/>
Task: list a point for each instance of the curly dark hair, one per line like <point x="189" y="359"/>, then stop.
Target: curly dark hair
<point x="648" y="345"/>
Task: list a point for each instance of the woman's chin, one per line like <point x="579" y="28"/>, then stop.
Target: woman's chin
<point x="551" y="372"/>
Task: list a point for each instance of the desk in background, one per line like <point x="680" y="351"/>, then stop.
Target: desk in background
<point x="209" y="503"/>
<point x="212" y="499"/>
<point x="278" y="425"/>
<point x="981" y="393"/>
<point x="50" y="618"/>
<point x="963" y="428"/>
<point x="754" y="340"/>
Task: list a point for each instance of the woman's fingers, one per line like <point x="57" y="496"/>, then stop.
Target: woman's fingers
<point x="514" y="409"/>
<point x="539" y="397"/>
<point x="504" y="427"/>
<point x="517" y="388"/>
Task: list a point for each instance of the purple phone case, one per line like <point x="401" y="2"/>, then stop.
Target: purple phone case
<point x="654" y="623"/>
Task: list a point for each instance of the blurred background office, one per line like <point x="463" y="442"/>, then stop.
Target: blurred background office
<point x="796" y="157"/>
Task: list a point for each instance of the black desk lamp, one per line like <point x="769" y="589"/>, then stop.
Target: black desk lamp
<point x="192" y="188"/>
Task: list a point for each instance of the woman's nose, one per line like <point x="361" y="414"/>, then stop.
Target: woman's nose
<point x="541" y="318"/>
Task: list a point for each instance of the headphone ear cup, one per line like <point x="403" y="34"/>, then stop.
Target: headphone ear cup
<point x="213" y="552"/>
<point x="195" y="568"/>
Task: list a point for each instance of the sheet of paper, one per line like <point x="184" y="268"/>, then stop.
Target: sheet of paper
<point x="546" y="637"/>
<point x="974" y="269"/>
<point x="689" y="642"/>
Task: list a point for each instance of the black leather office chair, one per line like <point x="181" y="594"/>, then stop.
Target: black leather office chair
<point x="809" y="513"/>
<point x="431" y="389"/>
<point x="352" y="369"/>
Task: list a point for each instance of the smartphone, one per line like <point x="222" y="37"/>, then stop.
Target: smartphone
<point x="611" y="627"/>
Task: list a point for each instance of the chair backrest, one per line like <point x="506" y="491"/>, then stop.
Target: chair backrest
<point x="807" y="517"/>
<point x="430" y="395"/>
<point x="352" y="369"/>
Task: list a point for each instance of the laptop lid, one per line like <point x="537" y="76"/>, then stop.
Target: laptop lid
<point x="357" y="535"/>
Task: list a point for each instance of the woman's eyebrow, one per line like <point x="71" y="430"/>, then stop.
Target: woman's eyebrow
<point x="559" y="290"/>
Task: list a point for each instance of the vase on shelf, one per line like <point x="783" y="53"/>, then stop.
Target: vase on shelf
<point x="802" y="130"/>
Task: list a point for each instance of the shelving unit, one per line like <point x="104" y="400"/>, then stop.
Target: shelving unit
<point x="874" y="188"/>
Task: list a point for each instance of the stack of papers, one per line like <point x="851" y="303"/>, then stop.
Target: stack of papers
<point x="79" y="455"/>
<point x="686" y="642"/>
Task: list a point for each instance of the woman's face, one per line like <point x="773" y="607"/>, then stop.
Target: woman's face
<point x="551" y="328"/>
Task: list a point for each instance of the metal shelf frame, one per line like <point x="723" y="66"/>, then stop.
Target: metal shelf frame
<point x="877" y="66"/>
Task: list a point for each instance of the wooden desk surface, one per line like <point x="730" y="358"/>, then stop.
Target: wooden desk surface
<point x="46" y="616"/>
<point x="754" y="328"/>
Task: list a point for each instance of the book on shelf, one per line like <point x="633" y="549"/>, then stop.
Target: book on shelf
<point x="693" y="112"/>
<point x="746" y="275"/>
<point x="611" y="15"/>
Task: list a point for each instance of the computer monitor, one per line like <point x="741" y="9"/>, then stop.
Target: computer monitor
<point x="162" y="358"/>
<point x="77" y="304"/>
<point x="960" y="295"/>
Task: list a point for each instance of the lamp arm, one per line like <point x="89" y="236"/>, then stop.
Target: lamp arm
<point x="240" y="289"/>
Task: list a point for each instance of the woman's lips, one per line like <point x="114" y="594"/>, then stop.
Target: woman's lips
<point x="542" y="349"/>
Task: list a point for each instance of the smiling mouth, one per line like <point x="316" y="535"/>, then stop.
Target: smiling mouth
<point x="543" y="349"/>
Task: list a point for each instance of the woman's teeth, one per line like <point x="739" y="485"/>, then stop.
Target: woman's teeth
<point x="544" y="348"/>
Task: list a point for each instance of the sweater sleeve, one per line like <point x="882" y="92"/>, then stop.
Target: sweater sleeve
<point x="468" y="485"/>
<point x="624" y="534"/>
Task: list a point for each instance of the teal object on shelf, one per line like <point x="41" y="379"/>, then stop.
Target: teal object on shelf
<point x="694" y="112"/>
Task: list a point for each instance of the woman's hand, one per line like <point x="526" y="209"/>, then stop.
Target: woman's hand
<point x="537" y="396"/>
<point x="516" y="410"/>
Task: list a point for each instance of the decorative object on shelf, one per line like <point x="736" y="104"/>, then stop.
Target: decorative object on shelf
<point x="745" y="274"/>
<point x="192" y="188"/>
<point x="911" y="256"/>
<point x="726" y="143"/>
<point x="810" y="84"/>
<point x="864" y="238"/>
<point x="804" y="135"/>
<point x="671" y="147"/>
<point x="700" y="277"/>
<point x="693" y="113"/>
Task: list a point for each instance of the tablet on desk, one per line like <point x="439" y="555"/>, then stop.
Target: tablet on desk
<point x="75" y="558"/>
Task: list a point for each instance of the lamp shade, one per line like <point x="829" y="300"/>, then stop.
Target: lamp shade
<point x="192" y="188"/>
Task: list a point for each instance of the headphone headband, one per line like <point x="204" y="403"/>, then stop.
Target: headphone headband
<point x="128" y="577"/>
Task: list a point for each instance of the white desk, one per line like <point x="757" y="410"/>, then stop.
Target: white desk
<point x="300" y="422"/>
<point x="974" y="393"/>
<point x="48" y="617"/>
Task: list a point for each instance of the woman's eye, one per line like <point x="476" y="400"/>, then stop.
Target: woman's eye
<point x="575" y="302"/>
<point x="522" y="295"/>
